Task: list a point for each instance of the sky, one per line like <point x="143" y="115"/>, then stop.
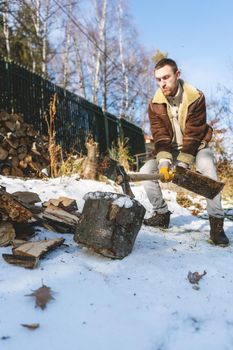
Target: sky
<point x="197" y="34"/>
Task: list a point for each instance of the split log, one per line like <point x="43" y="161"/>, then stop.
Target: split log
<point x="22" y="152"/>
<point x="109" y="223"/>
<point x="28" y="262"/>
<point x="15" y="172"/>
<point x="3" y="153"/>
<point x="5" y="169"/>
<point x="7" y="233"/>
<point x="17" y="242"/>
<point x="4" y="115"/>
<point x="37" y="249"/>
<point x="59" y="219"/>
<point x="14" y="162"/>
<point x="28" y="254"/>
<point x="68" y="204"/>
<point x="12" y="152"/>
<point x="10" y="125"/>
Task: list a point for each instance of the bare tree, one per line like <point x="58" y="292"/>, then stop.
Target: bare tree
<point x="124" y="105"/>
<point x="5" y="15"/>
<point x="101" y="26"/>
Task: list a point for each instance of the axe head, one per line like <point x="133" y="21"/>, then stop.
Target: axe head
<point x="116" y="172"/>
<point x="123" y="180"/>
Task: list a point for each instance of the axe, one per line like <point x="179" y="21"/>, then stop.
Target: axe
<point x="190" y="180"/>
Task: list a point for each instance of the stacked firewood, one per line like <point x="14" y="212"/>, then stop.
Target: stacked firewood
<point x="19" y="218"/>
<point x="23" y="152"/>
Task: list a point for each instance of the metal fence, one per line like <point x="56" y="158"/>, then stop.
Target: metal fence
<point x="22" y="91"/>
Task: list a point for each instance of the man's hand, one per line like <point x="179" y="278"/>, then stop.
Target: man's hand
<point x="166" y="176"/>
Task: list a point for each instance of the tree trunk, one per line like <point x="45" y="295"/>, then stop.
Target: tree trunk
<point x="125" y="95"/>
<point x="102" y="24"/>
<point x="6" y="28"/>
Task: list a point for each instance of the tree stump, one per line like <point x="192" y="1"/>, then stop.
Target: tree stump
<point x="90" y="163"/>
<point x="109" y="223"/>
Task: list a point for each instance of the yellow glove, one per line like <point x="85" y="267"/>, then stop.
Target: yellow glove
<point x="165" y="175"/>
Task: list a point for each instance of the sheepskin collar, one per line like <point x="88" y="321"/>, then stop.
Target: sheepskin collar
<point x="191" y="94"/>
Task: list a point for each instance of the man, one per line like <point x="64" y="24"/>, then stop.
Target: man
<point x="177" y="116"/>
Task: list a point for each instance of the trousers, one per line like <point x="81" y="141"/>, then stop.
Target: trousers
<point x="204" y="162"/>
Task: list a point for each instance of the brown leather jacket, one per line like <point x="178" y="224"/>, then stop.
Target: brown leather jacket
<point x="192" y="119"/>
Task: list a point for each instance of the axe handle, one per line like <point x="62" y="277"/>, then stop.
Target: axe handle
<point x="143" y="177"/>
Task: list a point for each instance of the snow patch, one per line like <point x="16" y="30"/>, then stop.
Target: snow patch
<point x="98" y="195"/>
<point x="123" y="202"/>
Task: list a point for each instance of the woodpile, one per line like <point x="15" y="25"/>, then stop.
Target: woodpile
<point x="19" y="215"/>
<point x="23" y="152"/>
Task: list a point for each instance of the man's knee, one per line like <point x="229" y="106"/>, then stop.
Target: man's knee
<point x="205" y="163"/>
<point x="151" y="166"/>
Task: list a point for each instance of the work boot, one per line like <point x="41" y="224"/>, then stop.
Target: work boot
<point x="217" y="234"/>
<point x="158" y="220"/>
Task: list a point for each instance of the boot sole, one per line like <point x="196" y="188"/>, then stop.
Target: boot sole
<point x="218" y="245"/>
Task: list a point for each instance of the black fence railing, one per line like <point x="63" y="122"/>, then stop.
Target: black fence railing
<point x="22" y="91"/>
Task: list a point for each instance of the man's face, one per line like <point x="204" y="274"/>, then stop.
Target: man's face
<point x="167" y="80"/>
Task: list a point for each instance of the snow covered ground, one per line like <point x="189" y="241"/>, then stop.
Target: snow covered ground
<point x="143" y="302"/>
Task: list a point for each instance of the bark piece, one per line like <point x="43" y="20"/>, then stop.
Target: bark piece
<point x="26" y="197"/>
<point x="31" y="326"/>
<point x="24" y="230"/>
<point x="109" y="223"/>
<point x="7" y="233"/>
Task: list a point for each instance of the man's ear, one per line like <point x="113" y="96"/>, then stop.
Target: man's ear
<point x="178" y="73"/>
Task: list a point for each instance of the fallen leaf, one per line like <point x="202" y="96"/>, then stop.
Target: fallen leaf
<point x="196" y="287"/>
<point x="43" y="295"/>
<point x="31" y="326"/>
<point x="5" y="337"/>
<point x="194" y="277"/>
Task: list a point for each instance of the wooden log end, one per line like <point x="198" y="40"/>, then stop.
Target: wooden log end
<point x="19" y="260"/>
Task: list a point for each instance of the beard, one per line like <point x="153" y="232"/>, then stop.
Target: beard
<point x="168" y="91"/>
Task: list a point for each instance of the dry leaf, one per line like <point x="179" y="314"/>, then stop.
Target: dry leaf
<point x="43" y="295"/>
<point x="5" y="337"/>
<point x="31" y="326"/>
<point x="194" y="277"/>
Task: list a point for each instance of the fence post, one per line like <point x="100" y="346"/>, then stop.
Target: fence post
<point x="106" y="129"/>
